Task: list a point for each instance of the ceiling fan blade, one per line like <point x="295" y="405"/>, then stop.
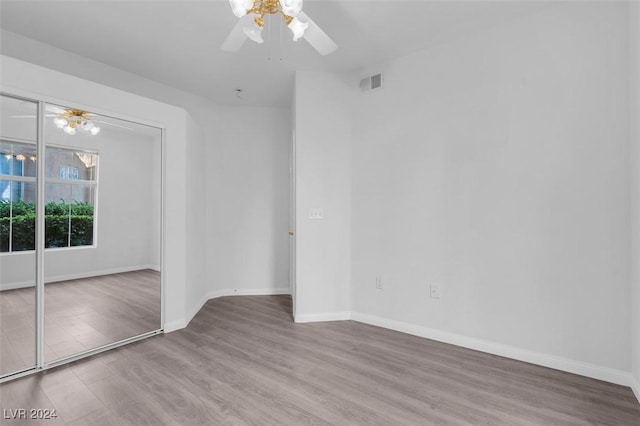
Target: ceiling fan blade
<point x="30" y="116"/>
<point x="237" y="36"/>
<point x="316" y="37"/>
<point x="55" y="109"/>
<point x="112" y="124"/>
<point x="96" y="121"/>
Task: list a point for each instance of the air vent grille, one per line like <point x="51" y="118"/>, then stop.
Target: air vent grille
<point x="371" y="83"/>
<point x="376" y="81"/>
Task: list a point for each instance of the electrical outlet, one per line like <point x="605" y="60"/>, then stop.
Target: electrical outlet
<point x="436" y="291"/>
<point x="379" y="282"/>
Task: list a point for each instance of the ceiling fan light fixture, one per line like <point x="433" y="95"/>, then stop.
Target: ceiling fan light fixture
<point x="291" y="7"/>
<point x="240" y="7"/>
<point x="298" y="27"/>
<point x="254" y="32"/>
<point x="70" y="120"/>
<point x="289" y="10"/>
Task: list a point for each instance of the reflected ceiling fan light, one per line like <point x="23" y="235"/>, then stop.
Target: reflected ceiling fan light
<point x="70" y="120"/>
<point x="20" y="157"/>
<point x="8" y="156"/>
<point x="291" y="7"/>
<point x="60" y="122"/>
<point x="240" y="7"/>
<point x="254" y="32"/>
<point x="298" y="27"/>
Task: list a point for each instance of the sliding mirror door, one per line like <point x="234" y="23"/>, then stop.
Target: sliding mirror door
<point x="80" y="233"/>
<point x="18" y="141"/>
<point x="102" y="231"/>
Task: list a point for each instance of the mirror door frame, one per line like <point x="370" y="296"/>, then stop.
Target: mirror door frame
<point x="40" y="363"/>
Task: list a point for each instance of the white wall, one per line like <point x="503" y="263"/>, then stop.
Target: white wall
<point x="196" y="164"/>
<point x="22" y="78"/>
<point x="247" y="174"/>
<point x="497" y="166"/>
<point x="323" y="164"/>
<point x="36" y="52"/>
<point x="634" y="55"/>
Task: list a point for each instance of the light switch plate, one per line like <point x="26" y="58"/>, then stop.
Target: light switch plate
<point x="316" y="213"/>
<point x="436" y="291"/>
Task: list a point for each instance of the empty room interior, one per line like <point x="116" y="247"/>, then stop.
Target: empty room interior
<point x="333" y="212"/>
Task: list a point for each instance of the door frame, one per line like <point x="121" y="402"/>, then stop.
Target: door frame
<point x="292" y="221"/>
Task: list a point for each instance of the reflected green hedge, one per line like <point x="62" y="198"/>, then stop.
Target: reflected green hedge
<point x="21" y="219"/>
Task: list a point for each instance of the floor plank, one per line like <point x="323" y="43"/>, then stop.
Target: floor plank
<point x="80" y="314"/>
<point x="242" y="361"/>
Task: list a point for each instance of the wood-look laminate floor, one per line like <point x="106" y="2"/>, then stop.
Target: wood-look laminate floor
<point x="243" y="361"/>
<point x="80" y="314"/>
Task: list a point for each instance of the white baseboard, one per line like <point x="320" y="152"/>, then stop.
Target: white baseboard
<point x="546" y="360"/>
<point x="174" y="325"/>
<point x="253" y="292"/>
<point x="635" y="387"/>
<point x="183" y="322"/>
<point x="559" y="363"/>
<point x="59" y="278"/>
<point x="322" y="317"/>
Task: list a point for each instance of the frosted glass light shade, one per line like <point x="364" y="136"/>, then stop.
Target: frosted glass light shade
<point x="87" y="125"/>
<point x="69" y="130"/>
<point x="60" y="122"/>
<point x="240" y="7"/>
<point x="254" y="33"/>
<point x="298" y="28"/>
<point x="95" y="130"/>
<point x="291" y="7"/>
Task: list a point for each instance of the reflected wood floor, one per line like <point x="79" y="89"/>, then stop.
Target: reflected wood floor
<point x="243" y="361"/>
<point x="80" y="314"/>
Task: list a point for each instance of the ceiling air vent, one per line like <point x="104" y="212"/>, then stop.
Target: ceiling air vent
<point x="371" y="83"/>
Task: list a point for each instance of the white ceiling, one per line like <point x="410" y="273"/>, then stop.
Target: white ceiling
<point x="177" y="42"/>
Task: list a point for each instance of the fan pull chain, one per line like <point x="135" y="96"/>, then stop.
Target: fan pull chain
<point x="281" y="50"/>
<point x="269" y="37"/>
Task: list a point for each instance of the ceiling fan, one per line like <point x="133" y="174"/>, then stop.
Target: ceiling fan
<point x="251" y="24"/>
<point x="69" y="120"/>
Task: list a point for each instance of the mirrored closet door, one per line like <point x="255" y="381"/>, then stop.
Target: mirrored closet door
<point x="99" y="253"/>
<point x="18" y="146"/>
<point x="102" y="230"/>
